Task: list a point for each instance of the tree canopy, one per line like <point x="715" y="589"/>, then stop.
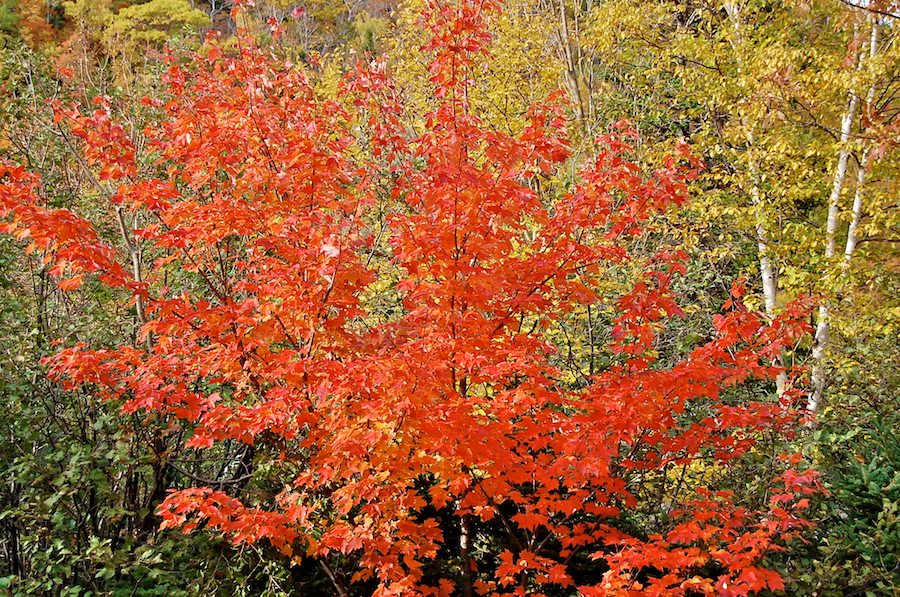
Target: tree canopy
<point x="418" y="323"/>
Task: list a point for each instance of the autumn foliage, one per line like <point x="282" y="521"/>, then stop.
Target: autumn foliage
<point x="363" y="305"/>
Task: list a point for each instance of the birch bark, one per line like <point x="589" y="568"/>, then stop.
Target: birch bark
<point x="768" y="270"/>
<point x="571" y="58"/>
<point x="823" y="323"/>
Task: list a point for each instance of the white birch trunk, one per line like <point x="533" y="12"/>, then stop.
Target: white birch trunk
<point x="767" y="269"/>
<point x="823" y="323"/>
<point x="572" y="76"/>
<point x="856" y="213"/>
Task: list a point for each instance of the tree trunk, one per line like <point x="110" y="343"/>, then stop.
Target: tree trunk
<point x="465" y="555"/>
<point x="572" y="76"/>
<point x="856" y="213"/>
<point x="768" y="270"/>
<point x="823" y="323"/>
<point x="336" y="580"/>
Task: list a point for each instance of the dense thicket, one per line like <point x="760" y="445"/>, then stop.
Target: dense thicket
<point x="790" y="108"/>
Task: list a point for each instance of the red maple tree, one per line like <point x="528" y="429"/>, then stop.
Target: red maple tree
<point x="364" y="306"/>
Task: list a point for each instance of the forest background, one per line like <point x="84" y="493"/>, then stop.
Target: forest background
<point x="790" y="107"/>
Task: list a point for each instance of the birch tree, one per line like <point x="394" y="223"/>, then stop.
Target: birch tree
<point x="792" y="107"/>
<point x="848" y="122"/>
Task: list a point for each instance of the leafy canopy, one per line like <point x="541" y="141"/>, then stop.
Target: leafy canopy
<point x="364" y="306"/>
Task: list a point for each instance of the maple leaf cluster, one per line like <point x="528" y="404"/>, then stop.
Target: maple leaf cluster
<point x="364" y="305"/>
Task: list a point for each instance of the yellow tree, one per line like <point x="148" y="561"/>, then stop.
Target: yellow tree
<point x="789" y="104"/>
<point x="522" y="69"/>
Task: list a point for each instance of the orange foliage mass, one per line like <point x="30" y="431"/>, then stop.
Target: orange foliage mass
<point x="451" y="404"/>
